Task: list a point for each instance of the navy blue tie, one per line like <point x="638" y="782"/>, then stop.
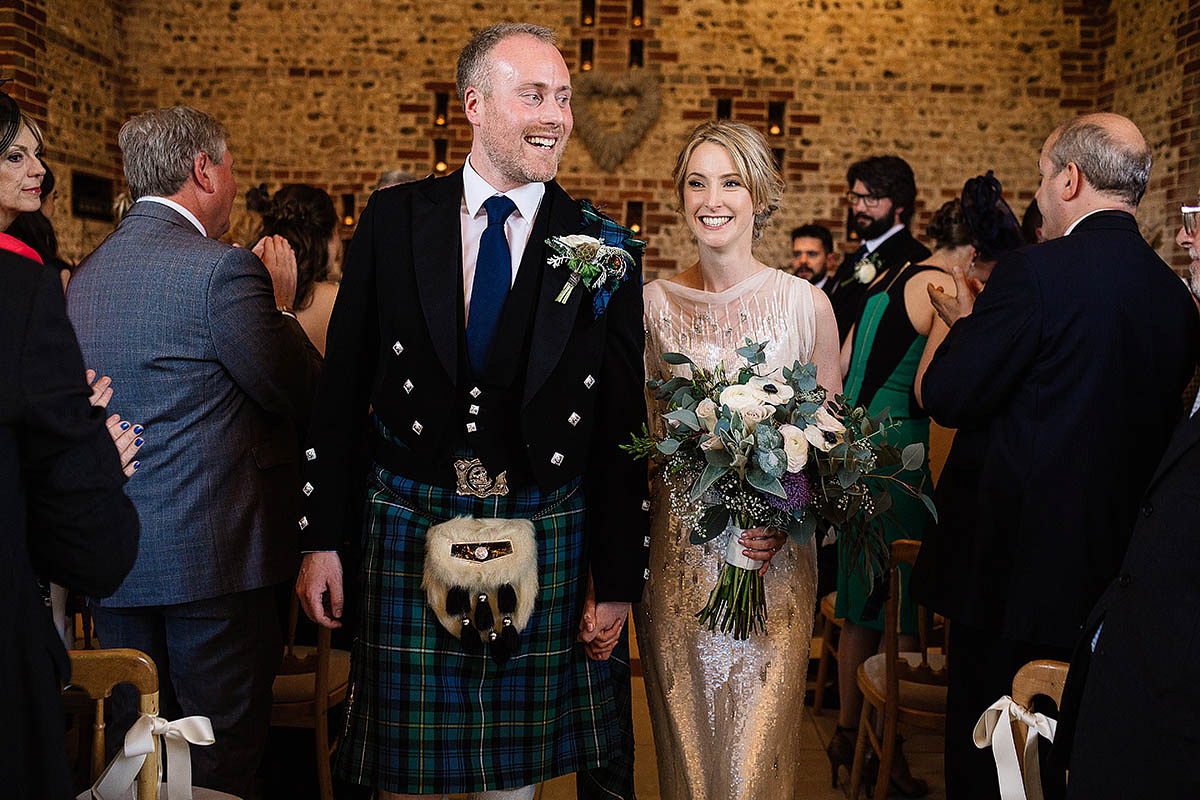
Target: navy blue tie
<point x="493" y="277"/>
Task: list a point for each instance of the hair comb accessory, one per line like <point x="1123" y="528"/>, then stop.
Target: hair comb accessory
<point x="992" y="222"/>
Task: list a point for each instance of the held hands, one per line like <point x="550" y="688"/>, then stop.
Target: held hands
<point x="280" y="260"/>
<point x="601" y="625"/>
<point x="762" y="544"/>
<point x="952" y="309"/>
<point x="127" y="437"/>
<point x="319" y="587"/>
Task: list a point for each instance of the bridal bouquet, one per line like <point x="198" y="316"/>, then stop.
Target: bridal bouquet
<point x="747" y="450"/>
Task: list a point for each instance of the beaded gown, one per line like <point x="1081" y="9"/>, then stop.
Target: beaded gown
<point x="726" y="713"/>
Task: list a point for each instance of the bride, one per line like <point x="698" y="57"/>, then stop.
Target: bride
<point x="725" y="712"/>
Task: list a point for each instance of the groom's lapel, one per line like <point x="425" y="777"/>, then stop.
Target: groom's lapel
<point x="1186" y="436"/>
<point x="553" y="321"/>
<point x="437" y="263"/>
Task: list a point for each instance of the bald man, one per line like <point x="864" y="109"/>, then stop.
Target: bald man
<point x="1064" y="378"/>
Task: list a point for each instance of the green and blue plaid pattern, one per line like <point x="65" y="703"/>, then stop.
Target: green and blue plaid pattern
<point x="612" y="234"/>
<point x="423" y="716"/>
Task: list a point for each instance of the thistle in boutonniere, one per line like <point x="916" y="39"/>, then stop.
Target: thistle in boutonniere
<point x="598" y="265"/>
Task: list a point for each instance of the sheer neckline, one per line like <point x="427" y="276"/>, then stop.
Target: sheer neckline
<point x="749" y="283"/>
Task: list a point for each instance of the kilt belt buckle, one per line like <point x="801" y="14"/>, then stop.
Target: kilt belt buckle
<point x="481" y="551"/>
<point x="473" y="479"/>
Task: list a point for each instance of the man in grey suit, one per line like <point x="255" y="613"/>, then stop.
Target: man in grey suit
<point x="201" y="339"/>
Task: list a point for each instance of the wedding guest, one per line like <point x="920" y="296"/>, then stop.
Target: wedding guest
<point x="35" y="229"/>
<point x="483" y="396"/>
<point x="305" y="216"/>
<point x="21" y="172"/>
<point x="726" y="714"/>
<point x="1139" y="643"/>
<point x="199" y="338"/>
<point x="813" y="254"/>
<point x="1031" y="224"/>
<point x="62" y="514"/>
<point x="881" y="196"/>
<point x="394" y="177"/>
<point x="1042" y="487"/>
<point x="897" y="331"/>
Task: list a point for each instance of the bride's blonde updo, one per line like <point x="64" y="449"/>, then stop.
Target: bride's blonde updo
<point x="752" y="157"/>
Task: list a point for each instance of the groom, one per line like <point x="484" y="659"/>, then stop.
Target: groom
<point x="482" y="395"/>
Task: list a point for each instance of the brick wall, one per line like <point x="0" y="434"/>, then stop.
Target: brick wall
<point x="331" y="93"/>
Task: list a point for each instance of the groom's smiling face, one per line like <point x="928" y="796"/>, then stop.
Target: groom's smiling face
<point x="522" y="115"/>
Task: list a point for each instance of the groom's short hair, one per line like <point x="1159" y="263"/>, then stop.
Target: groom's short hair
<point x="472" y="59"/>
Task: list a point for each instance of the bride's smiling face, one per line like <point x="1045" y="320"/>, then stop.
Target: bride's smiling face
<point x="716" y="202"/>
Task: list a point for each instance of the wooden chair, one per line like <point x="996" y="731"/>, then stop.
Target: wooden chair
<point x="829" y="653"/>
<point x="311" y="680"/>
<point x="903" y="687"/>
<point x="96" y="672"/>
<point x="1041" y="678"/>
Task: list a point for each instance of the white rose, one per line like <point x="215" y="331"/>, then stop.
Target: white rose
<point x="706" y="411"/>
<point x="577" y="239"/>
<point x="753" y="415"/>
<point x="864" y="271"/>
<point x="775" y="391"/>
<point x="739" y="397"/>
<point x="795" y="445"/>
<point x="712" y="443"/>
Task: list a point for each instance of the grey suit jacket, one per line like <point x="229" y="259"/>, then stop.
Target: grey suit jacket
<point x="188" y="331"/>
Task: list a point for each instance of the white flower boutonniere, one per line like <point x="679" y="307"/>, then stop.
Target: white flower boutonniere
<point x="598" y="265"/>
<point x="868" y="268"/>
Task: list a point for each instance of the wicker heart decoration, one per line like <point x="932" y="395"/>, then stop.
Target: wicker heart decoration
<point x="609" y="148"/>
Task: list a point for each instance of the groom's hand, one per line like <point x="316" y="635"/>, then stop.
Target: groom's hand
<point x="601" y="624"/>
<point x="321" y="573"/>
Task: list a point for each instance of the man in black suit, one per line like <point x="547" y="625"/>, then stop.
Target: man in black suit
<point x="1063" y="379"/>
<point x="882" y="193"/>
<point x="62" y="513"/>
<point x="492" y="393"/>
<point x="1140" y="649"/>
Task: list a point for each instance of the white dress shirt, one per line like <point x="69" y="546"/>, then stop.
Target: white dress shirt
<point x="473" y="217"/>
<point x="873" y="244"/>
<point x="189" y="216"/>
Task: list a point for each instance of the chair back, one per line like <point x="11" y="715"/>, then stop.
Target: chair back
<point x="96" y="672"/>
<point x="904" y="551"/>
<point x="1041" y="678"/>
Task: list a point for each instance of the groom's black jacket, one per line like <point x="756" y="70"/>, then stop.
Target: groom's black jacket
<point x="563" y="388"/>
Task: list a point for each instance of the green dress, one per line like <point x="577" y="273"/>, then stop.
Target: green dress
<point x="883" y="365"/>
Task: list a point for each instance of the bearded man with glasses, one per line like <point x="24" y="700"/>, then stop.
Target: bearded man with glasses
<point x="880" y="200"/>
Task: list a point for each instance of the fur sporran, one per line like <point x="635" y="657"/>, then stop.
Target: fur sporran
<point x="481" y="581"/>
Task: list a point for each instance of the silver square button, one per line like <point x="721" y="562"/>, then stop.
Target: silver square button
<point x="589" y="381"/>
<point x="472" y="427"/>
<point x="475" y="392"/>
<point x="473" y="410"/>
<point x="646" y="574"/>
<point x="556" y="459"/>
<point x="574" y="419"/>
<point x="303" y="523"/>
<point x="646" y="542"/>
<point x="645" y="505"/>
<point x="417" y="427"/>
<point x="308" y="489"/>
<point x="311" y="454"/>
<point x="408" y="386"/>
<point x="397" y="348"/>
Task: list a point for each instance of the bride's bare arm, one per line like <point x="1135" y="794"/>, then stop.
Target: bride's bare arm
<point x="825" y="353"/>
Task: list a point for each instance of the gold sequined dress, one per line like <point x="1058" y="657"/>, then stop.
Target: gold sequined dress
<point x="726" y="713"/>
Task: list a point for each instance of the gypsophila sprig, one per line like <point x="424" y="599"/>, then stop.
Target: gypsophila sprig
<point x="753" y="449"/>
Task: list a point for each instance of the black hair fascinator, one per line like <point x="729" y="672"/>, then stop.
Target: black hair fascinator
<point x="992" y="222"/>
<point x="10" y="117"/>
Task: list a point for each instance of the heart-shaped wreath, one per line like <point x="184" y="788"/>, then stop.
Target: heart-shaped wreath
<point x="609" y="148"/>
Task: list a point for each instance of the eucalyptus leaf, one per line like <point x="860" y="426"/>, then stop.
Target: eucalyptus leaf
<point x="684" y="417"/>
<point x="712" y="523"/>
<point x="677" y="359"/>
<point x="707" y="478"/>
<point x="668" y="446"/>
<point x="765" y="483"/>
<point x="719" y="458"/>
<point x="848" y="477"/>
<point x="913" y="456"/>
<point x="803" y="529"/>
<point x="929" y="504"/>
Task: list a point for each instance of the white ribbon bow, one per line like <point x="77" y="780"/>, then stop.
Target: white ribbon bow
<point x="994" y="729"/>
<point x="139" y="743"/>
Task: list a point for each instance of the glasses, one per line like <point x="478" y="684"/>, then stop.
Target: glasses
<point x="868" y="200"/>
<point x="1191" y="219"/>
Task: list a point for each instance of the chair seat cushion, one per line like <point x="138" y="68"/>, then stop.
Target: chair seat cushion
<point x="301" y="687"/>
<point x="913" y="695"/>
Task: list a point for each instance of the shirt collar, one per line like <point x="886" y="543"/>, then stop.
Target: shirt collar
<point x="188" y="215"/>
<point x="873" y="244"/>
<point x="476" y="190"/>
<point x="1071" y="227"/>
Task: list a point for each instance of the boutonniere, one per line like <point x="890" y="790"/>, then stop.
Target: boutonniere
<point x="866" y="269"/>
<point x="600" y="267"/>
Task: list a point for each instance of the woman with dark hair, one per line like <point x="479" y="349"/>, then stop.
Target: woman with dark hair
<point x="21" y="171"/>
<point x="895" y="334"/>
<point x="305" y="216"/>
<point x="35" y="229"/>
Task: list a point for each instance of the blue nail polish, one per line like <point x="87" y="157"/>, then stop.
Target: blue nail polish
<point x="137" y="442"/>
<point x="124" y="426"/>
<point x="137" y="429"/>
<point x="137" y="464"/>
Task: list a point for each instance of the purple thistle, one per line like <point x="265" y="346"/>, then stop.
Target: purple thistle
<point x="795" y="485"/>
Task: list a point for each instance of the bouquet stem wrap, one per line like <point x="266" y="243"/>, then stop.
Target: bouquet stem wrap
<point x="738" y="603"/>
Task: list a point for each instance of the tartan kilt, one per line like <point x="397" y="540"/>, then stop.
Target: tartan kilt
<point x="425" y="717"/>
